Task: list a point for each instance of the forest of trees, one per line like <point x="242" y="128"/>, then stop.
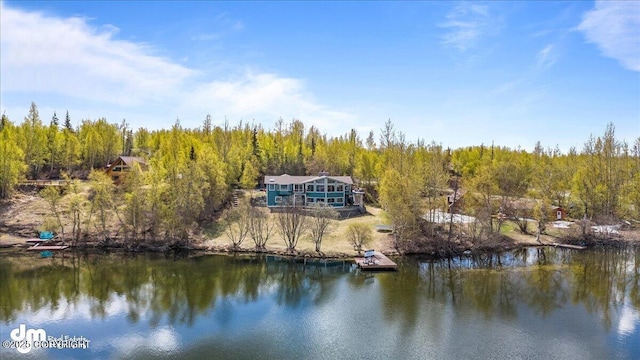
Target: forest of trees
<point x="193" y="172"/>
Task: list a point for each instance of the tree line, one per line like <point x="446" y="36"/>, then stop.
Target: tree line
<point x="193" y="172"/>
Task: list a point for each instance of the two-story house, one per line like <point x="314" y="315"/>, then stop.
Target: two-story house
<point x="286" y="190"/>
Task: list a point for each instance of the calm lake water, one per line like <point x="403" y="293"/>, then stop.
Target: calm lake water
<point x="532" y="303"/>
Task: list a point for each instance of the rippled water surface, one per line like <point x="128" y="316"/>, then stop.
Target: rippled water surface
<point x="533" y="303"/>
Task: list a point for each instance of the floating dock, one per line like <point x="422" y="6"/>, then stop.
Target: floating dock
<point x="48" y="247"/>
<point x="36" y="241"/>
<point x="568" y="246"/>
<point x="377" y="261"/>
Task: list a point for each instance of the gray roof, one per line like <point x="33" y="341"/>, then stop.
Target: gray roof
<point x="288" y="179"/>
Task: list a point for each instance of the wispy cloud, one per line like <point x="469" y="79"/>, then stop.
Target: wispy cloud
<point x="70" y="58"/>
<point x="546" y="57"/>
<point x="614" y="26"/>
<point x="223" y="25"/>
<point x="467" y="23"/>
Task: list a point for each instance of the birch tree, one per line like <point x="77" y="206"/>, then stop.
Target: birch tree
<point x="292" y="223"/>
<point x="12" y="166"/>
<point x="261" y="227"/>
<point x="320" y="223"/>
<point x="359" y="234"/>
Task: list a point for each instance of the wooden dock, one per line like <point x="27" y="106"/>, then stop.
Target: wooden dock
<point x="48" y="247"/>
<point x="376" y="262"/>
<point x="36" y="241"/>
<point x="568" y="246"/>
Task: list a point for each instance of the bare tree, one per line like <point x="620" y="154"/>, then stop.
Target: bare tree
<point x="540" y="212"/>
<point x="238" y="225"/>
<point x="260" y="227"/>
<point x="320" y="222"/>
<point x="292" y="224"/>
<point x="359" y="234"/>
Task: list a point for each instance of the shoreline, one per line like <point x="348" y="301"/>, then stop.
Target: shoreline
<point x="25" y="213"/>
<point x="591" y="242"/>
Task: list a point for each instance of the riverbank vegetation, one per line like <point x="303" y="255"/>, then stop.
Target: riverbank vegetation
<point x="190" y="176"/>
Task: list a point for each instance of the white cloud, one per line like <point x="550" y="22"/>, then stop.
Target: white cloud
<point x="265" y="96"/>
<point x="614" y="26"/>
<point x="72" y="61"/>
<point x="629" y="319"/>
<point x="546" y="57"/>
<point x="162" y="340"/>
<point x="467" y="23"/>
<point x="68" y="57"/>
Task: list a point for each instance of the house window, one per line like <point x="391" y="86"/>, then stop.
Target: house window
<point x="284" y="187"/>
<point x="331" y="188"/>
<point x="340" y="188"/>
<point x="320" y="200"/>
<point x="278" y="200"/>
<point x="319" y="188"/>
<point x="298" y="188"/>
<point x="272" y="187"/>
<point x="339" y="200"/>
<point x="309" y="187"/>
<point x="331" y="200"/>
<point x="311" y="200"/>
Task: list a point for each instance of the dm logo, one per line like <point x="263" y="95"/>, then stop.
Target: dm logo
<point x="26" y="338"/>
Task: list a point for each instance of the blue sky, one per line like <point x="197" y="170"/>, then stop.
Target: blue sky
<point x="458" y="73"/>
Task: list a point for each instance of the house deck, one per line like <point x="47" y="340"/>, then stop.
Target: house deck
<point x="380" y="262"/>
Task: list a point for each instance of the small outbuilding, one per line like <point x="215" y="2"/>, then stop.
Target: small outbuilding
<point x="558" y="213"/>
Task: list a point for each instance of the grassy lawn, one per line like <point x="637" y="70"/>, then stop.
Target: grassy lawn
<point x="333" y="243"/>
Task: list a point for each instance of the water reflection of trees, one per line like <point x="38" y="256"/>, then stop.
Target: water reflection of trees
<point x="541" y="279"/>
<point x="179" y="290"/>
<point x="176" y="289"/>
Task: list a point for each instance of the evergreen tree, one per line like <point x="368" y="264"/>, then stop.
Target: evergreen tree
<point x="54" y="120"/>
<point x="67" y="122"/>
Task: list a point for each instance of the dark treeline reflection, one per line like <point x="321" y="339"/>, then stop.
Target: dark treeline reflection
<point x="180" y="289"/>
<point x="540" y="279"/>
<point x="176" y="288"/>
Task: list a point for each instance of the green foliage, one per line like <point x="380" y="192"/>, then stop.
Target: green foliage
<point x="12" y="166"/>
<point x="52" y="195"/>
<point x="400" y="197"/>
<point x="192" y="172"/>
<point x="33" y="139"/>
<point x="102" y="199"/>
